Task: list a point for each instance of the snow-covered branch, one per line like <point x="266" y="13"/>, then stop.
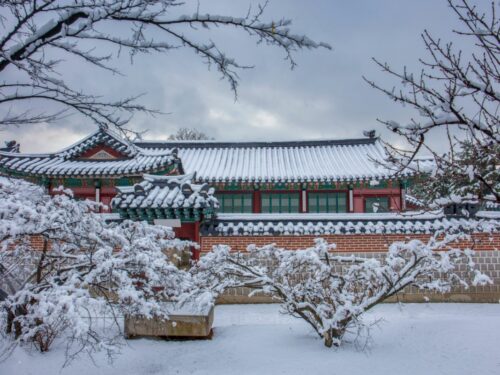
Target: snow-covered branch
<point x="456" y="94"/>
<point x="86" y="270"/>
<point x="331" y="292"/>
<point x="39" y="34"/>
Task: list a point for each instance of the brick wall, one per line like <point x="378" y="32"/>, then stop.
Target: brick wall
<point x="487" y="258"/>
<point x="487" y="261"/>
<point x="346" y="242"/>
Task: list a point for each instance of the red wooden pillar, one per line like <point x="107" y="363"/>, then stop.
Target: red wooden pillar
<point x="196" y="252"/>
<point x="402" y="195"/>
<point x="350" y="199"/>
<point x="256" y="201"/>
<point x="303" y="201"/>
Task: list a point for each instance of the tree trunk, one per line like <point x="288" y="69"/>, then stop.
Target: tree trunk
<point x="328" y="339"/>
<point x="332" y="337"/>
<point x="10" y="321"/>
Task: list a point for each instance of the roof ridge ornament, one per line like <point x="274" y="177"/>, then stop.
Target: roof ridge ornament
<point x="372" y="133"/>
<point x="164" y="180"/>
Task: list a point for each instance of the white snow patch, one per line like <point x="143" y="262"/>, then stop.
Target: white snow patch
<point x="255" y="339"/>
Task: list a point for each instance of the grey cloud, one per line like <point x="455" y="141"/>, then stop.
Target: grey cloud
<point x="324" y="96"/>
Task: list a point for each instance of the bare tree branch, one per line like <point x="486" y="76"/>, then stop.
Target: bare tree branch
<point x="34" y="31"/>
<point x="458" y="93"/>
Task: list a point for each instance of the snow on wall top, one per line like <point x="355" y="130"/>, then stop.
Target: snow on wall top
<point x="165" y="192"/>
<point x="329" y="226"/>
<point x="297" y="161"/>
<point x="66" y="163"/>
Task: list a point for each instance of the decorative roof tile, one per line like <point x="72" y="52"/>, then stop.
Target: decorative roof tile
<point x="165" y="192"/>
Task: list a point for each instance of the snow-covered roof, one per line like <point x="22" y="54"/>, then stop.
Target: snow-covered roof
<point x="295" y="161"/>
<point x="165" y="192"/>
<point x="254" y="162"/>
<point x="68" y="162"/>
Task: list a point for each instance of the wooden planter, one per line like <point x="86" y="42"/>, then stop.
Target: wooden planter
<point x="182" y="323"/>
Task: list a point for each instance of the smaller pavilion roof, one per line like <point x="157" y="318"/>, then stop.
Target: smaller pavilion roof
<point x="165" y="192"/>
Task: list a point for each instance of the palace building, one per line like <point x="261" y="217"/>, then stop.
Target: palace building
<point x="283" y="191"/>
<point x="194" y="181"/>
<point x="242" y="193"/>
<point x="210" y="186"/>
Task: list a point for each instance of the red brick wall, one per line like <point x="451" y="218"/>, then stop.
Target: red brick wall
<point x="346" y="242"/>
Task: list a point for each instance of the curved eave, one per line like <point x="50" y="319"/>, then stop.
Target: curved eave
<point x="90" y="171"/>
<point x="306" y="179"/>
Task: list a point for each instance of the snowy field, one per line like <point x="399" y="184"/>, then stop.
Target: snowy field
<point x="255" y="339"/>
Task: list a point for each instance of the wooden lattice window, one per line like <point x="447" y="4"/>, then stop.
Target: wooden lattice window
<point x="280" y="203"/>
<point x="235" y="202"/>
<point x="327" y="202"/>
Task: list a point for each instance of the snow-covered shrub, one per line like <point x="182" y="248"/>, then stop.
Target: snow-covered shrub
<point x="87" y="269"/>
<point x="331" y="292"/>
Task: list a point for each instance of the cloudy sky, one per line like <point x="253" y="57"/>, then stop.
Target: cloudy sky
<point x="323" y="97"/>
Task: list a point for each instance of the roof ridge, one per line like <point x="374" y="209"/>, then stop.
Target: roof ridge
<point x="250" y="144"/>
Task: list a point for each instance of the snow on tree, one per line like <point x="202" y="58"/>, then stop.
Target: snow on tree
<point x="186" y="134"/>
<point x="39" y="34"/>
<point x="331" y="292"/>
<point x="456" y="96"/>
<point x="88" y="269"/>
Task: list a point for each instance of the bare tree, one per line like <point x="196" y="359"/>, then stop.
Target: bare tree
<point x="38" y="34"/>
<point x="456" y="93"/>
<point x="186" y="134"/>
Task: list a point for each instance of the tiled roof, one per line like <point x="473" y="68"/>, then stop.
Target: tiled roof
<point x="254" y="162"/>
<point x="135" y="161"/>
<point x="300" y="161"/>
<point x="165" y="192"/>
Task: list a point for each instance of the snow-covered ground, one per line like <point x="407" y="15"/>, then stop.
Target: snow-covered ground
<point x="255" y="339"/>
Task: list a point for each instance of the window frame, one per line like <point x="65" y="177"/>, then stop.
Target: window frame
<point x="387" y="197"/>
<point x="222" y="196"/>
<point x="337" y="192"/>
<point x="270" y="193"/>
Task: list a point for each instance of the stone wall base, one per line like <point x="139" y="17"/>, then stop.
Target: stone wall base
<point x="486" y="261"/>
<point x="240" y="296"/>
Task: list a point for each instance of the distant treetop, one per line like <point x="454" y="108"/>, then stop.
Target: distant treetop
<point x="186" y="134"/>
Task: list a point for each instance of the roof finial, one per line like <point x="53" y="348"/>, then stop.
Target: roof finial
<point x="11" y="146"/>
<point x="369" y="133"/>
